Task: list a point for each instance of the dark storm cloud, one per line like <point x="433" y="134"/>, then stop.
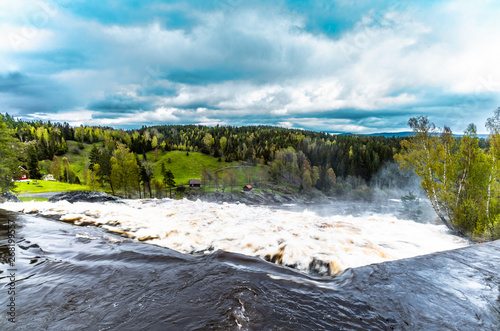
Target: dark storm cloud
<point x="114" y="104"/>
<point x="23" y="94"/>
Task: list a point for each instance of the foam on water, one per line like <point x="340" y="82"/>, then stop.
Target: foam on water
<point x="303" y="240"/>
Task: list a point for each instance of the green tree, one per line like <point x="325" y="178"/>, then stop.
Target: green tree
<point x="94" y="156"/>
<point x="147" y="173"/>
<point x="32" y="165"/>
<point x="223" y="144"/>
<point x="69" y="175"/>
<point x="55" y="168"/>
<point x="8" y="163"/>
<point x="93" y="179"/>
<point x="104" y="171"/>
<point x="315" y="175"/>
<point x="276" y="172"/>
<point x="306" y="180"/>
<point x="208" y="142"/>
<point x="331" y="178"/>
<point x="420" y="154"/>
<point x="124" y="170"/>
<point x="169" y="181"/>
<point x="493" y="198"/>
<point x="458" y="178"/>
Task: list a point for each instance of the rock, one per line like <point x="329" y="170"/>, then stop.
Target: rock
<point x="9" y="197"/>
<point x="148" y="238"/>
<point x="84" y="196"/>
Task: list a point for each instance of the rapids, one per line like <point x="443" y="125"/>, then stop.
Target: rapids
<point x="304" y="240"/>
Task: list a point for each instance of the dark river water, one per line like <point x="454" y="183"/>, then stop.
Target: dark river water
<point x="81" y="278"/>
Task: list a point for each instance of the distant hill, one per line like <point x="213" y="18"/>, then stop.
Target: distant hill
<point x="391" y="134"/>
<point x="381" y="134"/>
<point x="399" y="134"/>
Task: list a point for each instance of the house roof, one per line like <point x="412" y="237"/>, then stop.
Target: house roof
<point x="194" y="181"/>
<point x="248" y="186"/>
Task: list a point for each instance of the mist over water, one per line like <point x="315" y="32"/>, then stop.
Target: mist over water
<point x="317" y="239"/>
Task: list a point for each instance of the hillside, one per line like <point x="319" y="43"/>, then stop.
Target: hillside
<point x="133" y="160"/>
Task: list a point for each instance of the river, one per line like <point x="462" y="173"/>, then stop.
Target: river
<point x="79" y="277"/>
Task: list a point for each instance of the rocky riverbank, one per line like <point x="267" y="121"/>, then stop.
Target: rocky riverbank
<point x="84" y="196"/>
<point x="263" y="197"/>
<point x="9" y="197"/>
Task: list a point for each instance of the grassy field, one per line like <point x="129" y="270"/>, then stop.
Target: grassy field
<point x="183" y="166"/>
<point x="42" y="186"/>
<point x="186" y="167"/>
<point x="78" y="158"/>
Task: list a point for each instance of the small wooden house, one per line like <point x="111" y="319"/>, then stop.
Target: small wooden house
<point x="194" y="183"/>
<point x="247" y="188"/>
<point x="21" y="174"/>
<point x="49" y="177"/>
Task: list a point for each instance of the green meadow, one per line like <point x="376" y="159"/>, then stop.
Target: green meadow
<point x="42" y="186"/>
<point x="184" y="166"/>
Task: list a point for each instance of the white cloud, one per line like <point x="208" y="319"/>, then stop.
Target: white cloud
<point x="257" y="62"/>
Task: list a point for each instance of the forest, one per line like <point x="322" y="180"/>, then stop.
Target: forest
<point x="118" y="158"/>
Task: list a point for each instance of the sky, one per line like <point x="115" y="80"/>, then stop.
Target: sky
<point x="358" y="66"/>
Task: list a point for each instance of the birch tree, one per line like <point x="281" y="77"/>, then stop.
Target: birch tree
<point x="420" y="153"/>
<point x="124" y="169"/>
<point x="459" y="178"/>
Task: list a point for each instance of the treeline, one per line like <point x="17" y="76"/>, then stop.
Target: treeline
<point x="355" y="156"/>
<point x="296" y="157"/>
<point x="460" y="178"/>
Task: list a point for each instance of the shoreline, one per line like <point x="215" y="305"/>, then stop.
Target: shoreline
<point x="47" y="195"/>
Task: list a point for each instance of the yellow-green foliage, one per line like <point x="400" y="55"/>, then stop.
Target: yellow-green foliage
<point x="459" y="178"/>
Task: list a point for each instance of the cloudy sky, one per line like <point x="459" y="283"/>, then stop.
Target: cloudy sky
<point x="332" y="65"/>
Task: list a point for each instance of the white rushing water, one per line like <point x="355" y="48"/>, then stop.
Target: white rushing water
<point x="287" y="237"/>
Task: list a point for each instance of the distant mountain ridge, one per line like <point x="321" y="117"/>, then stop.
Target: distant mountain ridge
<point x="379" y="134"/>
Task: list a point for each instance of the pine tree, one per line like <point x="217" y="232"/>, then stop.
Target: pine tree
<point x="94" y="156"/>
<point x="33" y="167"/>
<point x="169" y="181"/>
<point x="8" y="163"/>
<point x="104" y="171"/>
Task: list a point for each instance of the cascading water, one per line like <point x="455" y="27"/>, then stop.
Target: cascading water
<point x="82" y="278"/>
<point x="302" y="240"/>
